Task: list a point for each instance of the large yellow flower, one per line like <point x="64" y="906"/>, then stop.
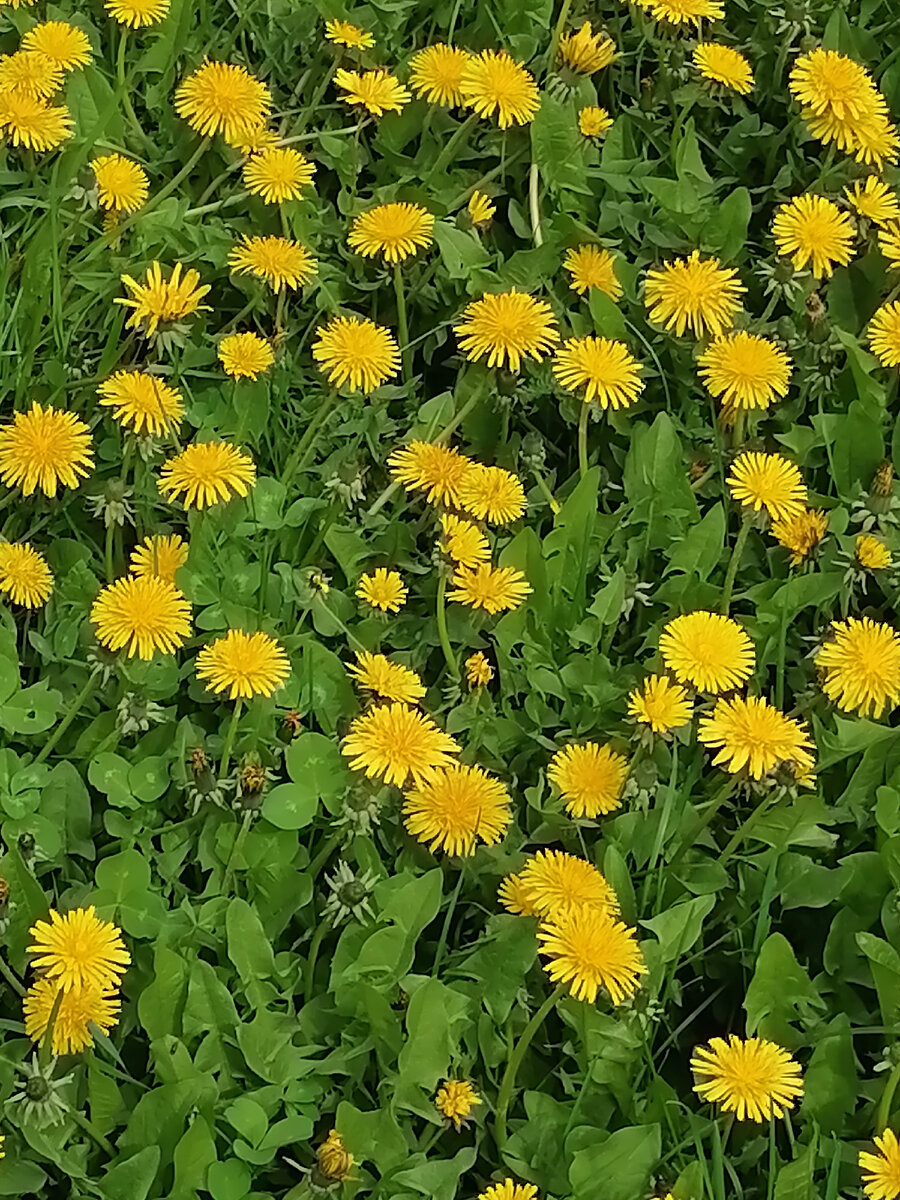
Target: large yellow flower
<point x="24" y="575"/>
<point x="142" y="614"/>
<point x="592" y="267"/>
<point x="495" y="589"/>
<point x="743" y="370"/>
<point x="435" y="73"/>
<point x="871" y="554"/>
<point x="342" y="33"/>
<point x="724" y="65"/>
<point x="243" y="664"/>
<point x="375" y="673"/>
<point x="437" y="470"/>
<point x="393" y="230"/>
<point x="79" y="950"/>
<point x="707" y="650"/>
<point x="749" y="733"/>
<point x="505" y="328"/>
<point x="770" y="482"/>
<point x="383" y="589"/>
<point x="660" y="704"/>
<point x="356" y="353"/>
<point x="602" y="369"/>
<point x="874" y="200"/>
<point x="860" y="666"/>
<point x="141" y="402"/>
<point x="159" y="555"/>
<point x="158" y="299"/>
<point x="826" y="82"/>
<point x="590" y="778"/>
<point x="44" y="448"/>
<point x="457" y="806"/>
<point x="122" y="185"/>
<point x="280" y="261"/>
<point x="684" y="12"/>
<point x="396" y="743"/>
<point x="67" y="45"/>
<point x="755" y="1079"/>
<point x="813" y="231"/>
<point x="31" y="74"/>
<point x="222" y="97"/>
<point x="693" y="293"/>
<point x="884" y="334"/>
<point x="377" y="92"/>
<point x="552" y="882"/>
<point x="137" y="13"/>
<point x="455" y="1099"/>
<point x="79" y="1009"/>
<point x="590" y="950"/>
<point x="881" y="1171"/>
<point x="278" y="174"/>
<point x="207" y="472"/>
<point x="801" y="533"/>
<point x="32" y="123"/>
<point x="245" y="355"/>
<point x="493" y="84"/>
<point x="585" y="51"/>
<point x="491" y="494"/>
<point x="463" y="541"/>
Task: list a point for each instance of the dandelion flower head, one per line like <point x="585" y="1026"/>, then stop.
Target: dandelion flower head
<point x="32" y="123"/>
<point x="44" y="448"/>
<point x="245" y="355"/>
<point x="382" y="589"/>
<point x="693" y="293"/>
<point x="494" y="589"/>
<point x="602" y="369"/>
<point x="455" y="1100"/>
<point x="223" y="98"/>
<point x="491" y="494"/>
<point x="812" y="231"/>
<point x="592" y="267"/>
<point x="122" y="185"/>
<point x="594" y="121"/>
<point x="206" y="473"/>
<point x="157" y="299"/>
<point x="494" y="84"/>
<point x="78" y="950"/>
<point x="755" y="1079"/>
<point x="881" y="1170"/>
<point x="343" y="33"/>
<point x="801" y="533"/>
<point x="375" y="673"/>
<point x="354" y="352"/>
<point x="394" y="231"/>
<point x="24" y="575"/>
<point x="745" y="371"/>
<point x="553" y="881"/>
<point x="437" y="470"/>
<point x="860" y="666"/>
<point x="397" y="743"/>
<point x="505" y="328"/>
<point x="724" y="65"/>
<point x="751" y="734"/>
<point x="161" y="555"/>
<point x="378" y="92"/>
<point x="435" y="74"/>
<point x="280" y="261"/>
<point x="243" y="664"/>
<point x="463" y="542"/>
<point x="142" y="614"/>
<point x="884" y="334"/>
<point x="707" y="650"/>
<point x="78" y="1009"/>
<point x="67" y="45"/>
<point x="590" y="950"/>
<point x="457" y="806"/>
<point x="768" y="481"/>
<point x="874" y="200"/>
<point x="277" y="174"/>
<point x="585" y="51"/>
<point x="660" y="704"/>
<point x="589" y="777"/>
<point x="141" y="402"/>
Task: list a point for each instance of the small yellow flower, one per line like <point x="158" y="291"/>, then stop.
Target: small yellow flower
<point x="455" y="1099"/>
<point x="874" y="200"/>
<point x="707" y="650"/>
<point x="32" y="123"/>
<point x="377" y="92"/>
<point x="754" y="1079"/>
<point x="395" y="231"/>
<point x="30" y="73"/>
<point x="44" y="448"/>
<point x="342" y="33"/>
<point x="683" y="12"/>
<point x="509" y="1190"/>
<point x="24" y="575"/>
<point x="376" y="673"/>
<point x="463" y="541"/>
<point x="65" y="44"/>
<point x="801" y="533"/>
<point x="860" y="666"/>
<point x="493" y="84"/>
<point x="594" y="121"/>
<point x="881" y="1171"/>
<point x="592" y="267"/>
<point x="491" y="494"/>
<point x="693" y="293"/>
<point x="383" y="589"/>
<point x="589" y="949"/>
<point x="122" y="185"/>
<point x="660" y="704"/>
<point x="589" y="777"/>
<point x="872" y="554"/>
<point x="143" y="615"/>
<point x="333" y="1159"/>
<point x="223" y="98"/>
<point x="455" y="807"/>
<point x="79" y="950"/>
<point x="280" y="261"/>
<point x="505" y="328"/>
<point x="884" y="334"/>
<point x="515" y="896"/>
<point x="813" y="231"/>
<point x="435" y="74"/>
<point x="479" y="671"/>
<point x="396" y="743"/>
<point x="724" y="65"/>
<point x="78" y="1011"/>
<point x="605" y="369"/>
<point x="888" y="239"/>
<point x="141" y="402"/>
<point x="161" y="556"/>
<point x="356" y="353"/>
<point x="481" y="209"/>
<point x="243" y="665"/>
<point x="207" y="472"/>
<point x="745" y="371"/>
<point x="278" y="174"/>
<point x="157" y="300"/>
<point x="585" y="51"/>
<point x="770" y="482"/>
<point x="245" y="355"/>
<point x="494" y="589"/>
<point x="437" y="470"/>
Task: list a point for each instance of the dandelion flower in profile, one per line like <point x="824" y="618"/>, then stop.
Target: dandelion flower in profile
<point x="872" y="554"/>
<point x="455" y="1100"/>
<point x="881" y="1171"/>
<point x="378" y="92"/>
<point x="32" y="123"/>
<point x="590" y="950"/>
<point x="586" y="51"/>
<point x="435" y="74"/>
<point x="222" y="98"/>
<point x="750" y="734"/>
<point x="157" y="299"/>
<point x="684" y="12"/>
<point x="590" y="778"/>
<point x="243" y="665"/>
<point x="280" y="261"/>
<point x="205" y="473"/>
<point x="768" y="481"/>
<point x="515" y="896"/>
<point x="505" y="328"/>
<point x="137" y="13"/>
<point x="594" y="121"/>
<point x="592" y="267"/>
<point x="142" y="614"/>
<point x="693" y="293"/>
<point x="24" y="575"/>
<point x="278" y="174"/>
<point x="481" y="209"/>
<point x="396" y="743"/>
<point x="79" y="1009"/>
<point x="79" y="950"/>
<point x="801" y="533"/>
<point x="375" y="673"/>
<point x="394" y="231"/>
<point x="354" y="352"/>
<point x="160" y="555"/>
<point x="495" y="589"/>
<point x="437" y="470"/>
<point x="493" y="84"/>
<point x="755" y="1079"/>
<point x="884" y="334"/>
<point x="463" y="541"/>
<point x="245" y="355"/>
<point x="479" y="671"/>
<point x="342" y="33"/>
<point x="122" y="185"/>
<point x="812" y="230"/>
<point x="874" y="200"/>
<point x="44" y="448"/>
<point x="509" y="1190"/>
<point x="888" y="242"/>
<point x="491" y="494"/>
<point x="456" y="806"/>
<point x="66" y="45"/>
<point x="552" y="881"/>
<point x="745" y="371"/>
<point x="860" y="666"/>
<point x="383" y="589"/>
<point x="724" y="65"/>
<point x="660" y="704"/>
<point x="30" y="73"/>
<point x="141" y="402"/>
<point x="333" y="1159"/>
<point x="707" y="650"/>
<point x="605" y="369"/>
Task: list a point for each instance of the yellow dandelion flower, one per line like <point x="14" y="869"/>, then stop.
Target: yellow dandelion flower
<point x="455" y="807"/>
<point x="749" y="733"/>
<point x="137" y="13"/>
<point x="552" y="882"/>
<point x="396" y="743"/>
<point x="515" y="896"/>
<point x="143" y="615"/>
<point x="494" y="589"/>
<point x="871" y="553"/>
<point x="707" y="650"/>
<point x="801" y="533"/>
<point x="64" y="44"/>
<point x="455" y="1099"/>
<point x="333" y="1159"/>
<point x="122" y="185"/>
<point x="724" y="65"/>
<point x="660" y="704"/>
<point x="509" y="1190"/>
<point x="142" y="402"/>
<point x="78" y="1010"/>
<point x="30" y="73"/>
<point x="342" y="33"/>
<point x="356" y="353"/>
<point x="881" y="1171"/>
<point x="889" y="243"/>
<point x="160" y="555"/>
<point x="395" y="231"/>
<point x="884" y="334"/>
<point x="594" y="121"/>
<point x="438" y="470"/>
<point x="435" y="74"/>
<point x="377" y="91"/>
<point x="280" y="261"/>
<point x="376" y="673"/>
<point x="44" y="448"/>
<point x="491" y="494"/>
<point x="828" y="83"/>
<point x="24" y="575"/>
<point x="479" y="671"/>
<point x="78" y="950"/>
<point x="463" y="541"/>
<point x="586" y="51"/>
<point x="243" y="665"/>
<point x="2" y="1144"/>
<point x="745" y="371"/>
<point x="207" y="472"/>
<point x="605" y="369"/>
<point x="590" y="950"/>
<point x="505" y="328"/>
<point x="223" y="98"/>
<point x="383" y="589"/>
<point x="874" y="200"/>
<point x="481" y="209"/>
<point x="589" y="777"/>
<point x="278" y="174"/>
<point x="693" y="293"/>
<point x="493" y="84"/>
<point x="157" y="299"/>
<point x="592" y="267"/>
<point x="755" y="1079"/>
<point x="875" y="141"/>
<point x="860" y="666"/>
<point x="683" y="12"/>
<point x="32" y="123"/>
<point x="812" y="230"/>
<point x="253" y="139"/>
<point x="245" y="355"/>
<point x="768" y="481"/>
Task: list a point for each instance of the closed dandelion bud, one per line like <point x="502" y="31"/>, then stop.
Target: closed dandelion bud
<point x="333" y="1160"/>
<point x="883" y="479"/>
<point x="291" y="724"/>
<point x="698" y="469"/>
<point x="533" y="453"/>
<point x="647" y="90"/>
<point x="815" y="309"/>
<point x="40" y="1100"/>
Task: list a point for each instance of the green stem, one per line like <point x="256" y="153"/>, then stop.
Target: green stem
<point x="449" y="150"/>
<point x="297" y="461"/>
<point x="108" y="553"/>
<point x="124" y="91"/>
<point x="697" y="828"/>
<point x="443" y="633"/>
<point x="557" y="33"/>
<point x="309" y="974"/>
<point x="534" y="204"/>
<point x="746" y="827"/>
<point x="736" y="556"/>
<point x="883" y="1115"/>
<point x="402" y="326"/>
<point x="555" y="506"/>
<point x="45" y="1053"/>
<point x="92" y="1131"/>
<point x="50" y="745"/>
<point x="445" y="929"/>
<point x="229" y="738"/>
<point x="582" y="439"/>
<point x="515" y="1060"/>
<point x="10" y="976"/>
<point x="236" y="847"/>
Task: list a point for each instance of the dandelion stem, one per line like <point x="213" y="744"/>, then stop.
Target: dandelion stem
<point x="736" y="556"/>
<point x="236" y="847"/>
<point x="443" y="633"/>
<point x="742" y="831"/>
<point x="10" y="976"/>
<point x="402" y="326"/>
<point x="108" y="552"/>
<point x="229" y="738"/>
<point x="883" y="1114"/>
<point x="445" y="929"/>
<point x="92" y="1131"/>
<point x="297" y="461"/>
<point x="449" y="150"/>
<point x="50" y="745"/>
<point x="309" y="973"/>
<point x="557" y="33"/>
<point x="534" y="204"/>
<point x="124" y="93"/>
<point x="543" y="488"/>
<point x="515" y="1060"/>
<point x="582" y="439"/>
<point x="46" y="1050"/>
